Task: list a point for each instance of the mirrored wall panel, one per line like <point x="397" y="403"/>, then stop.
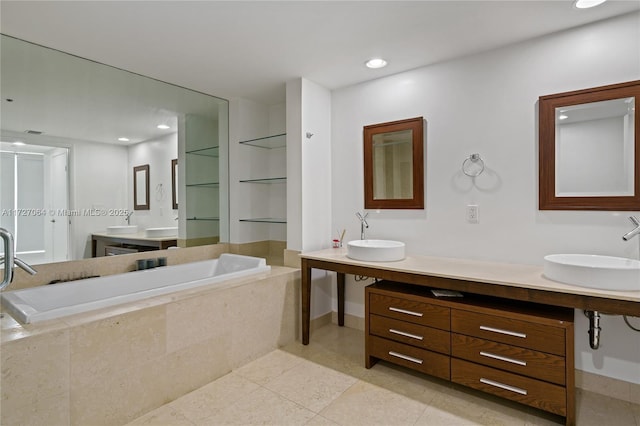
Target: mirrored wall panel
<point x="106" y="121"/>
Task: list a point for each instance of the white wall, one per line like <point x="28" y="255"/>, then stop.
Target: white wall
<point x="487" y="104"/>
<point x="157" y="154"/>
<point x="309" y="179"/>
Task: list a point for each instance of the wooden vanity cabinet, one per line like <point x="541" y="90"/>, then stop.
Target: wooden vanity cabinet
<point x="515" y="350"/>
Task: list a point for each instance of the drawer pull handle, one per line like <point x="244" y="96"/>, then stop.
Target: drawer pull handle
<point x="405" y="357"/>
<point x="405" y="334"/>
<point x="501" y="331"/>
<point x="503" y="386"/>
<point x="503" y="358"/>
<point x="403" y="311"/>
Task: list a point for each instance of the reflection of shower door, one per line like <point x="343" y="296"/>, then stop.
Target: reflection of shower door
<point x="58" y="202"/>
<point x="34" y="187"/>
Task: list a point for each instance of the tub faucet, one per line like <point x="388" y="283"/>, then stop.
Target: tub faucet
<point x="128" y="217"/>
<point x="10" y="260"/>
<point x="363" y="223"/>
<point x="634" y="231"/>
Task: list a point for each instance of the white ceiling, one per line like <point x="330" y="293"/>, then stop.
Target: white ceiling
<point x="249" y="49"/>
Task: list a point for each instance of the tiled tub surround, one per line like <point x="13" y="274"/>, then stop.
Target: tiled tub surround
<point x="113" y="365"/>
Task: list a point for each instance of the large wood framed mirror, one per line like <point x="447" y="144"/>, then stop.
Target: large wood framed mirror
<point x="589" y="148"/>
<point x="394" y="165"/>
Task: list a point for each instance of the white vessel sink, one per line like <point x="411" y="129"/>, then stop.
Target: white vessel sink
<point x="594" y="271"/>
<point x="169" y="231"/>
<point x="375" y="250"/>
<point x="122" y="229"/>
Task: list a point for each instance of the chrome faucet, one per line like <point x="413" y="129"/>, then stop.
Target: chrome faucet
<point x="634" y="231"/>
<point x="363" y="223"/>
<point x="128" y="217"/>
<point x="10" y="260"/>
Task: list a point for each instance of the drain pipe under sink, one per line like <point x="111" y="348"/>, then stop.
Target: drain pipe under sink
<point x="594" y="328"/>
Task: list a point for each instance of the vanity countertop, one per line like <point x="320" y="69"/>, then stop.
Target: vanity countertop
<point x="507" y="274"/>
<point x="136" y="236"/>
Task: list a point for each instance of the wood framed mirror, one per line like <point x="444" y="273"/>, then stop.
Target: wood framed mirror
<point x="141" y="187"/>
<point x="174" y="184"/>
<point x="394" y="165"/>
<point x="589" y="149"/>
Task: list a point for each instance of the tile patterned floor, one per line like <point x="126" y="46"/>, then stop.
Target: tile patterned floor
<point x="325" y="383"/>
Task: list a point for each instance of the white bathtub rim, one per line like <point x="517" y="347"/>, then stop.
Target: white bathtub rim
<point x="132" y="300"/>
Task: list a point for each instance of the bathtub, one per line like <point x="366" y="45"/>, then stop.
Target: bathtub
<point x="42" y="303"/>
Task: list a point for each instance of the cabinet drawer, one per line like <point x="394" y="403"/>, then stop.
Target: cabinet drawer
<point x="411" y="334"/>
<point x="535" y="393"/>
<point x="525" y="334"/>
<point x="408" y="356"/>
<point x="410" y="310"/>
<point x="540" y="365"/>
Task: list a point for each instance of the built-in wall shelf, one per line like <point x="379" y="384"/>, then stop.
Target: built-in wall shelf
<point x="268" y="142"/>
<point x="203" y="185"/>
<point x="207" y="152"/>
<point x="265" y="180"/>
<point x="204" y="218"/>
<point x="265" y="220"/>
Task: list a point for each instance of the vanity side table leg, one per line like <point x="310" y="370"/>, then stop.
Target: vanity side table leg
<point x="570" y="382"/>
<point x="340" y="280"/>
<point x="306" y="300"/>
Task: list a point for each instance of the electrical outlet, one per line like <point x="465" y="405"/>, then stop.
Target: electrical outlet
<point x="472" y="213"/>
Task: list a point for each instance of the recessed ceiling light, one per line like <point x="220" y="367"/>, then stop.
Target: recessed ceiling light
<point x="376" y="63"/>
<point x="586" y="4"/>
<point x="18" y="143"/>
<point x="123" y="139"/>
<point x="163" y="126"/>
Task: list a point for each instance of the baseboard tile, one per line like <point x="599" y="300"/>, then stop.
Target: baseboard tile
<point x="350" y="321"/>
<point x="321" y="321"/>
<point x="608" y="386"/>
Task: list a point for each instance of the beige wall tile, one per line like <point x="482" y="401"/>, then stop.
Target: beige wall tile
<point x="53" y="410"/>
<point x="256" y="318"/>
<point x="120" y="396"/>
<point x="292" y="258"/>
<point x="195" y="366"/>
<point x="103" y="347"/>
<point x="196" y="319"/>
<point x="35" y="378"/>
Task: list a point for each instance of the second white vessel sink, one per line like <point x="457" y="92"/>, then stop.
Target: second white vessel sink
<point x="122" y="229"/>
<point x="594" y="271"/>
<point x="169" y="231"/>
<point x="376" y="250"/>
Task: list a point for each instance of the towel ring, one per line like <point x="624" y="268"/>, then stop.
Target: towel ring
<point x="473" y="165"/>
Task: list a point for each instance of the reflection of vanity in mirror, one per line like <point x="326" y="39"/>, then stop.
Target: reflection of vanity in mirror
<point x="394" y="165"/>
<point x="72" y="132"/>
<point x="590" y="149"/>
